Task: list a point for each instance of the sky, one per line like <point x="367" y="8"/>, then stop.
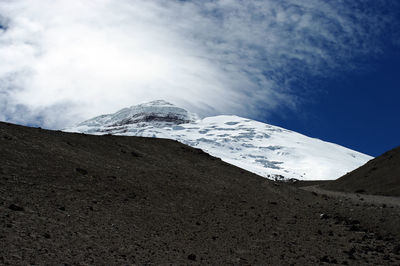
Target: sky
<point x="327" y="69"/>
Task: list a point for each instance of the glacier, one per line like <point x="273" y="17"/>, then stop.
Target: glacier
<point x="269" y="151"/>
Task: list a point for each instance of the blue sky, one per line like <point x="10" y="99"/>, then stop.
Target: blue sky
<point x="359" y="110"/>
<point x="327" y="69"/>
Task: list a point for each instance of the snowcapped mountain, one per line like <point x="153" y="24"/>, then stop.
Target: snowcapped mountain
<point x="266" y="150"/>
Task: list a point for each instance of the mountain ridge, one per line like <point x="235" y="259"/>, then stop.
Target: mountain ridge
<point x="380" y="176"/>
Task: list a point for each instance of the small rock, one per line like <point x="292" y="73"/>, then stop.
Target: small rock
<point x="192" y="257"/>
<point x="81" y="171"/>
<point x="46" y="235"/>
<point x="135" y="154"/>
<point x="354" y="228"/>
<point x="7" y="137"/>
<point x="323" y="216"/>
<point x="14" y="207"/>
<point x="351" y="253"/>
<point x="132" y="195"/>
<point x="396" y="249"/>
<point x="360" y="191"/>
<point x="324" y="259"/>
<point x="380" y="249"/>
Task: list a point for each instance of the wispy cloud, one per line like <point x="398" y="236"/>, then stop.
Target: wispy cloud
<point x="64" y="61"/>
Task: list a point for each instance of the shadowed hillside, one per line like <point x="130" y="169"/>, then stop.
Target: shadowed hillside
<point x="80" y="199"/>
<point x="380" y="176"/>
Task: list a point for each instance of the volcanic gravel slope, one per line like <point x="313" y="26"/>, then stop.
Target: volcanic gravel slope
<point x="380" y="176"/>
<point x="107" y="200"/>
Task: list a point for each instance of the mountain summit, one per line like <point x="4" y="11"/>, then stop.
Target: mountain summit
<point x="264" y="149"/>
<point x="158" y="113"/>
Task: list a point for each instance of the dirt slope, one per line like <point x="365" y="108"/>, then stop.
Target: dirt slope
<point x="106" y="200"/>
<point x="380" y="176"/>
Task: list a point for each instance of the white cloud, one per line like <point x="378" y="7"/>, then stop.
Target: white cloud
<point x="63" y="61"/>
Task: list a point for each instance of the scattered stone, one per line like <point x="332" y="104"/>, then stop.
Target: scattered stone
<point x="192" y="257"/>
<point x="135" y="154"/>
<point x="380" y="249"/>
<point x="359" y="191"/>
<point x="14" y="207"/>
<point x="396" y="249"/>
<point x="62" y="208"/>
<point x="351" y="252"/>
<point x="323" y="216"/>
<point x="324" y="259"/>
<point x="354" y="228"/>
<point x="7" y="137"/>
<point x="81" y="171"/>
<point x="132" y="195"/>
<point x="46" y="235"/>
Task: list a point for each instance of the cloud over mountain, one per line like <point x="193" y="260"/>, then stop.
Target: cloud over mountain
<point x="64" y="61"/>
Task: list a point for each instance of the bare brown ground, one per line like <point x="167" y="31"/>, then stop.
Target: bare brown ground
<point x="104" y="200"/>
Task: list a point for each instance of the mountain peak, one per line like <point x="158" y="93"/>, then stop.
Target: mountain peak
<point x="158" y="103"/>
<point x="157" y="113"/>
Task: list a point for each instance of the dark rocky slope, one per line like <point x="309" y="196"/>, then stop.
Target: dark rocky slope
<point x="106" y="200"/>
<point x="380" y="176"/>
